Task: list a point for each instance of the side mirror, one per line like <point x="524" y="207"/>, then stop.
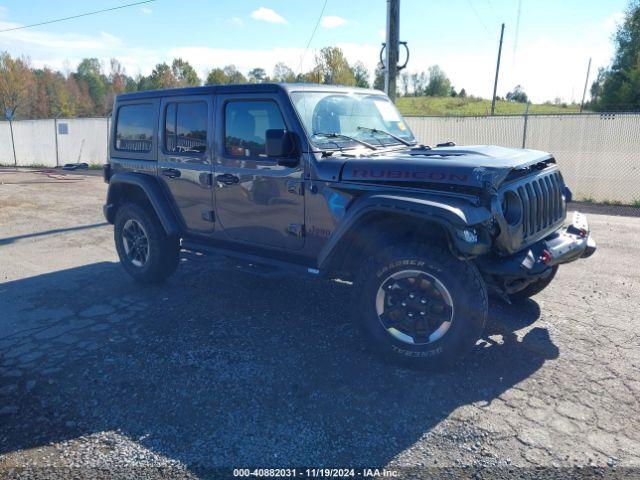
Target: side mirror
<point x="281" y="144"/>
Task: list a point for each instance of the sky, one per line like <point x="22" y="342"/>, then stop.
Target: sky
<point x="546" y="51"/>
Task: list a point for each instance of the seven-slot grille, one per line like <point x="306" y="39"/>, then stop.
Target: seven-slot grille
<point x="542" y="203"/>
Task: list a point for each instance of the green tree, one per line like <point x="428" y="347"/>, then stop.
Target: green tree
<point x="596" y="86"/>
<point x="378" y="80"/>
<point x="258" y="75"/>
<point x="56" y="94"/>
<point x="234" y="75"/>
<point x="621" y="83"/>
<point x="361" y="75"/>
<point x="17" y="84"/>
<point x="517" y="95"/>
<point x="89" y="71"/>
<point x="282" y="73"/>
<point x="161" y="77"/>
<point x="332" y="67"/>
<point x="439" y="84"/>
<point x="184" y="73"/>
<point x="216" y="76"/>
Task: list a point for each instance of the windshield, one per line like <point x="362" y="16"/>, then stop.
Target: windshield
<point x="345" y="120"/>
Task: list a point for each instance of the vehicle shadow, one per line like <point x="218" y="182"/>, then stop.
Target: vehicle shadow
<point x="221" y="368"/>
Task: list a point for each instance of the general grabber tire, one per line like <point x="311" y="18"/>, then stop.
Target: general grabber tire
<point x="146" y="252"/>
<point x="420" y="305"/>
<point x="535" y="287"/>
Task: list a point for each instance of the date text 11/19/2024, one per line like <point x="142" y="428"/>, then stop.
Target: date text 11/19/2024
<point x="315" y="473"/>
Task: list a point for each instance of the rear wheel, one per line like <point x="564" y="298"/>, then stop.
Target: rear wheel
<point x="419" y="304"/>
<point x="146" y="252"/>
<point x="535" y="287"/>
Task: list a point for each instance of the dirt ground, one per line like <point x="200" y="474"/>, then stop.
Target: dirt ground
<point x="224" y="366"/>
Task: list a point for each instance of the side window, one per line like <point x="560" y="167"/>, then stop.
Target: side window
<point x="246" y="124"/>
<point x="134" y="127"/>
<point x="185" y="127"/>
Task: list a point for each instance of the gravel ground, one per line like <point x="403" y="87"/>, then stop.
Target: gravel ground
<point x="232" y="366"/>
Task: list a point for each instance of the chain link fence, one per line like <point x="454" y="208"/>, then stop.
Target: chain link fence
<point x="599" y="154"/>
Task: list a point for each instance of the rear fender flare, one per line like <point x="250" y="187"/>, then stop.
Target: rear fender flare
<point x="153" y="193"/>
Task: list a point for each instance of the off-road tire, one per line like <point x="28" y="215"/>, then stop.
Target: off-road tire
<point x="163" y="250"/>
<point x="462" y="280"/>
<point x="535" y="287"/>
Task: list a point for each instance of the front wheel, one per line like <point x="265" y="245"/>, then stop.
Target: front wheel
<point x="146" y="252"/>
<point x="535" y="287"/>
<point x="419" y="304"/>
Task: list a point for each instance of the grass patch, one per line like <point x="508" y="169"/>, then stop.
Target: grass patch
<point x="416" y="106"/>
<point x="95" y="166"/>
<point x="635" y="203"/>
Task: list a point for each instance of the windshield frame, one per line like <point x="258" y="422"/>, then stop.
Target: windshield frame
<point x="376" y="139"/>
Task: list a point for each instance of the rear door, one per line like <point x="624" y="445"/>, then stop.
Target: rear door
<point x="257" y="200"/>
<point x="184" y="159"/>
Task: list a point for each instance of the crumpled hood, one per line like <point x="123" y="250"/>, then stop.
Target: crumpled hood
<point x="468" y="165"/>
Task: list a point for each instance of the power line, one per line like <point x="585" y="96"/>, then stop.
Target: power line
<point x="478" y="16"/>
<point x="304" y="54"/>
<point x="515" y="43"/>
<point x="76" y="16"/>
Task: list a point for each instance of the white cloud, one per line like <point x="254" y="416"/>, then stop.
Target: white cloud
<point x="612" y="21"/>
<point x="110" y="40"/>
<point x="236" y="21"/>
<point x="146" y="10"/>
<point x="332" y="21"/>
<point x="268" y="15"/>
<point x="29" y="39"/>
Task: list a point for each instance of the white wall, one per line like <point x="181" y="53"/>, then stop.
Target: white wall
<point x="35" y="142"/>
<point x="86" y="141"/>
<point x="6" y="152"/>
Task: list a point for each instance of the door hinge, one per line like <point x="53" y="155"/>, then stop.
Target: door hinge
<point x="209" y="216"/>
<point x="296" y="187"/>
<point x="296" y="229"/>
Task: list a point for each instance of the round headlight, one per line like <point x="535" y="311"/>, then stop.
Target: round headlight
<point x="511" y="208"/>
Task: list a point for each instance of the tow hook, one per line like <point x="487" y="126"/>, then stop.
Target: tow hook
<point x="546" y="257"/>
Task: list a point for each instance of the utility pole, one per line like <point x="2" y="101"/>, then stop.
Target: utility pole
<point x="495" y="83"/>
<point x="586" y="82"/>
<point x="392" y="50"/>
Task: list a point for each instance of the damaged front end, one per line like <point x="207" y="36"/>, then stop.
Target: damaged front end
<point x="510" y="274"/>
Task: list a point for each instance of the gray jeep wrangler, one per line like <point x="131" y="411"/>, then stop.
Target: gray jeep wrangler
<point x="330" y="181"/>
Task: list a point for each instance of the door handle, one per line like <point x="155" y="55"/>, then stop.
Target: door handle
<point x="227" y="179"/>
<point x="170" y="172"/>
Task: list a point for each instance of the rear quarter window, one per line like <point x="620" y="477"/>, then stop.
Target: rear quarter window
<point x="134" y="127"/>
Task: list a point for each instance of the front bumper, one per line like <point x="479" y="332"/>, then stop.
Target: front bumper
<point x="571" y="243"/>
<point x="563" y="246"/>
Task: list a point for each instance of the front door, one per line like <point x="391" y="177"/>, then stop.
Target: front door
<point x="184" y="159"/>
<point x="257" y="200"/>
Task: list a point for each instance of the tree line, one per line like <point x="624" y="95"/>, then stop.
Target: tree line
<point x="27" y="92"/>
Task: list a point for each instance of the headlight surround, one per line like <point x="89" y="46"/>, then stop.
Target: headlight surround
<point x="511" y="208"/>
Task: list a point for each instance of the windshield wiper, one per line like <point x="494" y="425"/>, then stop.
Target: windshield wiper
<point x="340" y="135"/>
<point x="395" y="137"/>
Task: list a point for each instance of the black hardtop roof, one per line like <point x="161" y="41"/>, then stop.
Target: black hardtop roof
<point x="242" y="88"/>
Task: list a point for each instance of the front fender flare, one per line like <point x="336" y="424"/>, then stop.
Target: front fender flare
<point x="453" y="215"/>
<point x="153" y="193"/>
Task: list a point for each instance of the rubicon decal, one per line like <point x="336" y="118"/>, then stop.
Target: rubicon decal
<point x="410" y="175"/>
